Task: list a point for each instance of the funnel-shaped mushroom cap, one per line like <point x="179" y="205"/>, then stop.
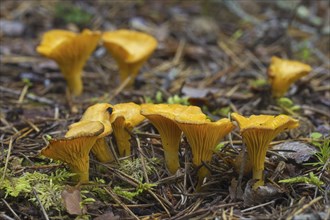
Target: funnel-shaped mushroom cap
<point x="130" y="49"/>
<point x="124" y="118"/>
<point x="162" y="117"/>
<point x="75" y="150"/>
<point x="282" y="73"/>
<point x="257" y="132"/>
<point x="96" y="113"/>
<point x="70" y="51"/>
<point x="203" y="136"/>
<point x="99" y="112"/>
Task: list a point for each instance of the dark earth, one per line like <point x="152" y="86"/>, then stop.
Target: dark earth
<point x="213" y="54"/>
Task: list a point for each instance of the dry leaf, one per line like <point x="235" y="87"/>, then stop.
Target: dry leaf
<point x="71" y="199"/>
<point x="107" y="216"/>
<point x="297" y="151"/>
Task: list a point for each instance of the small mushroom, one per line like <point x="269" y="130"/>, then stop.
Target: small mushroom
<point x="75" y="150"/>
<point x="124" y="118"/>
<point x="70" y="51"/>
<point x="257" y="132"/>
<point x="130" y="49"/>
<point x="282" y="73"/>
<point x="162" y="117"/>
<point x="99" y="112"/>
<point x="203" y="136"/>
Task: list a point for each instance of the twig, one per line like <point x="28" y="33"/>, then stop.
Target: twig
<point x="12" y="211"/>
<point x="29" y="96"/>
<point x="42" y="207"/>
<point x="119" y="202"/>
<point x="23" y="93"/>
<point x="304" y="207"/>
<point x="257" y="206"/>
<point x="7" y="159"/>
<point x="5" y="217"/>
<point x="179" y="51"/>
<point x="120" y="88"/>
<point x="142" y="160"/>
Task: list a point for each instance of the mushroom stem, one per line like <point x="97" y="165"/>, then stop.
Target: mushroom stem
<point x="127" y="70"/>
<point x="171" y="160"/>
<point x="258" y="175"/>
<point x="122" y="137"/>
<point x="75" y="84"/>
<point x="202" y="173"/>
<point x="81" y="171"/>
<point x="101" y="151"/>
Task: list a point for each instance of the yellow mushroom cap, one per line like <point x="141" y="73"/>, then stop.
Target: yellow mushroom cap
<point x="130" y="49"/>
<point x="162" y="117"/>
<point x="257" y="132"/>
<point x="124" y="118"/>
<point x="203" y="136"/>
<point x="75" y="150"/>
<point x="70" y="51"/>
<point x="282" y="73"/>
<point x="99" y="113"/>
<point x="130" y="111"/>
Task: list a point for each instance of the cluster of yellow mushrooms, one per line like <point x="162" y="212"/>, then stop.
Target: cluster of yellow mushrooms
<point x="171" y="120"/>
<point x="131" y="49"/>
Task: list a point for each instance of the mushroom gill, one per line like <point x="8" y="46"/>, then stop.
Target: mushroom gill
<point x="70" y="51"/>
<point x="257" y="132"/>
<point x="130" y="49"/>
<point x="282" y="73"/>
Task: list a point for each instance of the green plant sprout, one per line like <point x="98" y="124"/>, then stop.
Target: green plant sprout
<point x="72" y="14"/>
<point x="323" y="155"/>
<point x="176" y="99"/>
<point x="311" y="179"/>
<point x="131" y="194"/>
<point x="287" y="105"/>
<point x="257" y="83"/>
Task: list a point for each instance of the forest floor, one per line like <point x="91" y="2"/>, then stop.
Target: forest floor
<point x="214" y="54"/>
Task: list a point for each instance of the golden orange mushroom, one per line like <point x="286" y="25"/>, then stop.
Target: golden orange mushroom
<point x="75" y="150"/>
<point x="203" y="136"/>
<point x="70" y="51"/>
<point x="99" y="112"/>
<point x="162" y="117"/>
<point x="257" y="132"/>
<point x="130" y="49"/>
<point x="282" y="73"/>
<point x="124" y="118"/>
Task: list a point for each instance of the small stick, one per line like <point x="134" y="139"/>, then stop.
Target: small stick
<point x="120" y="88"/>
<point x="257" y="206"/>
<point x="42" y="207"/>
<point x="119" y="202"/>
<point x="29" y="96"/>
<point x="304" y="207"/>
<point x="12" y="211"/>
<point x="7" y="159"/>
<point x="142" y="160"/>
<point x="23" y="93"/>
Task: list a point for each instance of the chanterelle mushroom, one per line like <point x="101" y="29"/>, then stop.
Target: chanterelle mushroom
<point x="130" y="49"/>
<point x="257" y="132"/>
<point x="203" y="136"/>
<point x="124" y="118"/>
<point x="70" y="51"/>
<point x="282" y="73"/>
<point x="99" y="112"/>
<point x="162" y="117"/>
<point x="75" y="150"/>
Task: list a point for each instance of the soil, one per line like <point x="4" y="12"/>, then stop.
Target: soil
<point x="213" y="54"/>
